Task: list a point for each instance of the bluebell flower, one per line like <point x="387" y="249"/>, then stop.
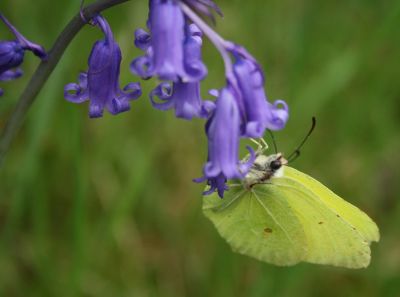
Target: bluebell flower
<point x="246" y="78"/>
<point x="259" y="114"/>
<point x="164" y="56"/>
<point x="242" y="108"/>
<point x="223" y="132"/>
<point x="194" y="66"/>
<point x="12" y="53"/>
<point x="172" y="49"/>
<point x="184" y="97"/>
<point x="100" y="84"/>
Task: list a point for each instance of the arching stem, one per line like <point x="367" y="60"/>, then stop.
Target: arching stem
<point x="44" y="70"/>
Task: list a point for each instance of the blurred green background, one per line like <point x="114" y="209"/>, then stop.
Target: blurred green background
<point x="107" y="207"/>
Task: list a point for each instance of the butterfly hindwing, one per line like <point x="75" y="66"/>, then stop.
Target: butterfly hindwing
<point x="260" y="226"/>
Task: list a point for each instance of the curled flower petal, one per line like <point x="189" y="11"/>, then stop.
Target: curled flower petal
<point x="82" y="80"/>
<point x="118" y="105"/>
<point x="140" y="66"/>
<point x="214" y="93"/>
<point x="131" y="91"/>
<point x="184" y="97"/>
<point x="75" y="93"/>
<point x="142" y="39"/>
<point x="278" y="115"/>
<point x="10" y="74"/>
<point x="164" y="92"/>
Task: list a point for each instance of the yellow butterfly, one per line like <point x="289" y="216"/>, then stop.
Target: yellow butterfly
<point x="282" y="216"/>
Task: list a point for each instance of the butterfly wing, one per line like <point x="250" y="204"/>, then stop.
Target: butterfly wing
<point x="293" y="218"/>
<point x="338" y="233"/>
<point x="354" y="216"/>
<point x="260" y="226"/>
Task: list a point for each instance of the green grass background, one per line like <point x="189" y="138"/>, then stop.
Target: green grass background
<point x="106" y="207"/>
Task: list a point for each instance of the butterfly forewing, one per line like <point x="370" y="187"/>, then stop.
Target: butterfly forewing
<point x="351" y="214"/>
<point x="330" y="239"/>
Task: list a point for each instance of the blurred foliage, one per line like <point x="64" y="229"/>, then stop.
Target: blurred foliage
<point x="107" y="207"/>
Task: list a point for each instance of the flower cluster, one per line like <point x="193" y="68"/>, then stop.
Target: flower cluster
<point x="12" y="53"/>
<point x="171" y="48"/>
<point x="172" y="53"/>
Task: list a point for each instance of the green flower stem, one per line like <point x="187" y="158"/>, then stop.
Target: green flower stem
<point x="44" y="70"/>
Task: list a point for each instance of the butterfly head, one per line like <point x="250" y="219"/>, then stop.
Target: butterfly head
<point x="264" y="168"/>
<point x="271" y="163"/>
<point x="276" y="161"/>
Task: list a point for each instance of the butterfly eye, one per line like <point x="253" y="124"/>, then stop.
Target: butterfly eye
<point x="275" y="165"/>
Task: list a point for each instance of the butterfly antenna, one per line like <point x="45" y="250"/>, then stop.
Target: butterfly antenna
<point x="293" y="156"/>
<point x="273" y="140"/>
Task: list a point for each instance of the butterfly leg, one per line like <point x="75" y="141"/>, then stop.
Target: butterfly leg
<point x="261" y="145"/>
<point x="264" y="143"/>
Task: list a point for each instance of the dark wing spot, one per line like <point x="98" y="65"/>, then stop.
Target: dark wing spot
<point x="268" y="230"/>
<point x="338" y="216"/>
<point x="320" y="223"/>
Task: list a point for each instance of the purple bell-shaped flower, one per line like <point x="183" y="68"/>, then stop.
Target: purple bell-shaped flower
<point x="223" y="132"/>
<point x="172" y="49"/>
<point x="100" y="84"/>
<point x="259" y="114"/>
<point x="185" y="97"/>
